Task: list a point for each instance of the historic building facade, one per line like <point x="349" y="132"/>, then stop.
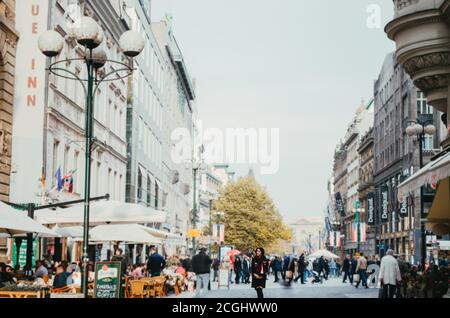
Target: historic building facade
<point x="179" y="117"/>
<point x="396" y="157"/>
<point x="8" y="40"/>
<point x="365" y="191"/>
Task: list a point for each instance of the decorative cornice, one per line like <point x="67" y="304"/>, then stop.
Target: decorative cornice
<point x="432" y="82"/>
<point x="418" y="63"/>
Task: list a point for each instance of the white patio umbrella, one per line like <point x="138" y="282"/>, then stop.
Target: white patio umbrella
<point x="102" y="212"/>
<point x="124" y="233"/>
<point x="70" y="231"/>
<point x="325" y="253"/>
<point x="15" y="222"/>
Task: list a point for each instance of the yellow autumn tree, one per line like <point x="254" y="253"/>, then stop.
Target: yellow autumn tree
<point x="250" y="216"/>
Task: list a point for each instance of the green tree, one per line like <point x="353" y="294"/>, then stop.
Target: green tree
<point x="250" y="216"/>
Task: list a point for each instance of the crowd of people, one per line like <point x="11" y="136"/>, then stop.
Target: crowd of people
<point x="397" y="277"/>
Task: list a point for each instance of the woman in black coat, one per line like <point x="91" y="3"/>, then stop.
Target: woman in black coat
<point x="260" y="268"/>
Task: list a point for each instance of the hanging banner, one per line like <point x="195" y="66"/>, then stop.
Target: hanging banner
<point x="403" y="202"/>
<point x="362" y="232"/>
<point x="339" y="204"/>
<point x="215" y="231"/>
<point x="370" y="208"/>
<point x="221" y="232"/>
<point x="384" y="204"/>
<point x="335" y="239"/>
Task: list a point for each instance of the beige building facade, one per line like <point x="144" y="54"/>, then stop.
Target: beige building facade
<point x="8" y="41"/>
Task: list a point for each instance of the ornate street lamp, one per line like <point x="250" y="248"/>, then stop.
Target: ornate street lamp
<point x="90" y="36"/>
<point x="420" y="129"/>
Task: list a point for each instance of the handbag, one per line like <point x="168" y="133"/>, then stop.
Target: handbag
<point x="289" y="274"/>
<point x="356" y="277"/>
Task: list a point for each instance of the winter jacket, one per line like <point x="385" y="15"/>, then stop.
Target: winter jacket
<point x="201" y="263"/>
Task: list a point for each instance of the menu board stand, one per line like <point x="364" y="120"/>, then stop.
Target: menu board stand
<point x="108" y="279"/>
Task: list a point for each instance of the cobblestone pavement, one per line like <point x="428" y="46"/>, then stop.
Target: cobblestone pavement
<point x="332" y="288"/>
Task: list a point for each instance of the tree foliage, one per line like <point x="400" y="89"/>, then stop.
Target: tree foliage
<point x="250" y="216"/>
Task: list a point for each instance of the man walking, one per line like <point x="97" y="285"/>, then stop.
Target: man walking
<point x="361" y="268"/>
<point x="155" y="262"/>
<point x="346" y="270"/>
<point x="276" y="268"/>
<point x="246" y="270"/>
<point x="215" y="266"/>
<point x="301" y="269"/>
<point x="201" y="264"/>
<point x="389" y="274"/>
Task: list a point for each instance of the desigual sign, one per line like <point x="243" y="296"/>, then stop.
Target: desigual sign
<point x="370" y="209"/>
<point x="384" y="204"/>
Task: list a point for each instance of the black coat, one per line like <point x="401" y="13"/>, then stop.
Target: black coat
<point x="201" y="263"/>
<point x="346" y="265"/>
<point x="155" y="263"/>
<point x="256" y="269"/>
<point x="237" y="265"/>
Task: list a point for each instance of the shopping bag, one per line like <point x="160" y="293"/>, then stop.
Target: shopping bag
<point x="356" y="278"/>
<point x="289" y="274"/>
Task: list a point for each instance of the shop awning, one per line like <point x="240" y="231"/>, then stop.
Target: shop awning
<point x="431" y="174"/>
<point x="438" y="220"/>
<point x="134" y="233"/>
<point x="102" y="212"/>
<point x="70" y="231"/>
<point x="15" y="222"/>
<point x="444" y="245"/>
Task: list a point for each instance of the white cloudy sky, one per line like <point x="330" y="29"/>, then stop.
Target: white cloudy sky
<point x="299" y="65"/>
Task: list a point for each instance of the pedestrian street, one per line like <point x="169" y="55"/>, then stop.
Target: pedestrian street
<point x="331" y="288"/>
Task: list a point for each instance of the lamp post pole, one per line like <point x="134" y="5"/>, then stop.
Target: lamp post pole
<point x="210" y="225"/>
<point x="194" y="210"/>
<point x="423" y="246"/>
<point x="420" y="130"/>
<point x="87" y="175"/>
<point x="90" y="36"/>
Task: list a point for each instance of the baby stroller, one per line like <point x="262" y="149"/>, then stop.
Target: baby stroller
<point x="317" y="278"/>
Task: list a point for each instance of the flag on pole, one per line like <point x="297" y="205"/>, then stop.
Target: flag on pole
<point x="68" y="181"/>
<point x="59" y="181"/>
<point x="43" y="179"/>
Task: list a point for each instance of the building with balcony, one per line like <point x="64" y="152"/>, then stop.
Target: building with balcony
<point x="421" y="31"/>
<point x="179" y="114"/>
<point x="396" y="157"/>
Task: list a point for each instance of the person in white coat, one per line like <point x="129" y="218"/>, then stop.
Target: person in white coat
<point x="389" y="274"/>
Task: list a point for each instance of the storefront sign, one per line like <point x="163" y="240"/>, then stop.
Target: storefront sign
<point x="384" y="204"/>
<point x="371" y="208"/>
<point x="403" y="207"/>
<point x="339" y="204"/>
<point x="29" y="101"/>
<point x="108" y="280"/>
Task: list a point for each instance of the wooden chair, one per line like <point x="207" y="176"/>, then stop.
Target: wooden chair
<point x="65" y="289"/>
<point x="126" y="291"/>
<point x="160" y="286"/>
<point x="137" y="289"/>
<point x="150" y="284"/>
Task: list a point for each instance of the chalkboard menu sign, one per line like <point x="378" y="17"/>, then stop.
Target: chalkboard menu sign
<point x="107" y="280"/>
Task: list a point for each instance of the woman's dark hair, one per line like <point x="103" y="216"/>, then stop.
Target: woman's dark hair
<point x="261" y="249"/>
